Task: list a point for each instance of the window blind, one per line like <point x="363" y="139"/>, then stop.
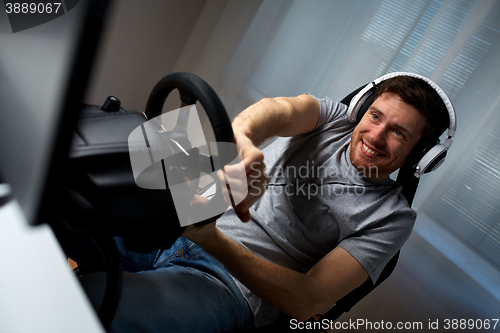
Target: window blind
<point x="329" y="48"/>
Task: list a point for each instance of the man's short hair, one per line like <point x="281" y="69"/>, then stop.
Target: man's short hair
<point x="424" y="98"/>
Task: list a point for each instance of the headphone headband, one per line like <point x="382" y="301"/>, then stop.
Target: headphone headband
<point x="449" y="107"/>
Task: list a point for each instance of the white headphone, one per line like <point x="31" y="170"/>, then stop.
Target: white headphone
<point x="435" y="156"/>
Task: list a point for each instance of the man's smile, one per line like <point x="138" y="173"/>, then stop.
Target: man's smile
<point x="369" y="151"/>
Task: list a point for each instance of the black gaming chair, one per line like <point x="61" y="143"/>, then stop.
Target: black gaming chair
<point x="409" y="185"/>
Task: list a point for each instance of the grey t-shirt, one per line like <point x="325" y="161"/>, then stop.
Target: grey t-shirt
<point x="317" y="200"/>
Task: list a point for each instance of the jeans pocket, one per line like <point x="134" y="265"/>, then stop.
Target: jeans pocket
<point x="182" y="249"/>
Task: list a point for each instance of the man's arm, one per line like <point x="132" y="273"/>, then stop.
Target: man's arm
<point x="282" y="116"/>
<point x="298" y="295"/>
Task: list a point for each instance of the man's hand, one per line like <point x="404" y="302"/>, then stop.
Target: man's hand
<point x="199" y="233"/>
<point x="256" y="177"/>
<point x="281" y="116"/>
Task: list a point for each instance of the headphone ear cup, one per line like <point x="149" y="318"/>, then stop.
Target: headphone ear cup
<point x="433" y="158"/>
<point x="364" y="107"/>
<point x="358" y="102"/>
<point x="359" y="105"/>
<point x="419" y="151"/>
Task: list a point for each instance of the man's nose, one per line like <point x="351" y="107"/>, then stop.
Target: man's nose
<point x="378" y="136"/>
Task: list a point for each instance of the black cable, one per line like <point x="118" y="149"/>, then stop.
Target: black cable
<point x="114" y="279"/>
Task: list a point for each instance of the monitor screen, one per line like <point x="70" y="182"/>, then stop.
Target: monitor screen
<point x="44" y="67"/>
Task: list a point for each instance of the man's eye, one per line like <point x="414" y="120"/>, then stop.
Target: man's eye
<point x="399" y="134"/>
<point x="375" y="116"/>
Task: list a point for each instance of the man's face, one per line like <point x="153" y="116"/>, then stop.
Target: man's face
<point x="385" y="136"/>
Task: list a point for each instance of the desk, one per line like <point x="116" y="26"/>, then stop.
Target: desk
<point x="39" y="293"/>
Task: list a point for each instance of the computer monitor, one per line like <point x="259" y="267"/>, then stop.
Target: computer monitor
<point x="44" y="71"/>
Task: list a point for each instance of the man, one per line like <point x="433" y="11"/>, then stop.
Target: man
<point x="321" y="217"/>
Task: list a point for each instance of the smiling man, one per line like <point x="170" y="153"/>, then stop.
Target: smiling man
<point x="301" y="253"/>
<point x="321" y="216"/>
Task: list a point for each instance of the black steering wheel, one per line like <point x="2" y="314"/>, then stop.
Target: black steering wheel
<point x="191" y="89"/>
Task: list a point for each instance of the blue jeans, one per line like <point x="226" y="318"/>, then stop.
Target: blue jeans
<point x="182" y="289"/>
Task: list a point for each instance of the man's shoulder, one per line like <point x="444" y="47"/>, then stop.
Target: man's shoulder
<point x="330" y="111"/>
